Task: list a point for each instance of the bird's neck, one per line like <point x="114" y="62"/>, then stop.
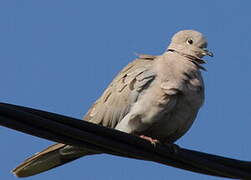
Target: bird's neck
<point x="197" y="61"/>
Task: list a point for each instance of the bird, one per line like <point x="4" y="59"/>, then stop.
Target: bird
<point x="154" y="97"/>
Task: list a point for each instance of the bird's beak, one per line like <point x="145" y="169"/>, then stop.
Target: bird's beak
<point x="207" y="53"/>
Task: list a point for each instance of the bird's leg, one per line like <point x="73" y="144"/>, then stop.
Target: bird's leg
<point x="151" y="140"/>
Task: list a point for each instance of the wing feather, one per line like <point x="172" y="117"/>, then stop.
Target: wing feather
<point x="123" y="91"/>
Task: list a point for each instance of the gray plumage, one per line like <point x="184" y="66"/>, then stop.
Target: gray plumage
<point x="155" y="96"/>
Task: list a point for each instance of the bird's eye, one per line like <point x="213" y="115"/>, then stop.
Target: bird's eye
<point x="190" y="41"/>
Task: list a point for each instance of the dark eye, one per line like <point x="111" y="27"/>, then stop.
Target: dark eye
<point x="190" y="41"/>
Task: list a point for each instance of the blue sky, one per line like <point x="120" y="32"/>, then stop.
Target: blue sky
<point x="59" y="56"/>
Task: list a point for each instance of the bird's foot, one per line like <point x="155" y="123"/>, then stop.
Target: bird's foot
<point x="151" y="140"/>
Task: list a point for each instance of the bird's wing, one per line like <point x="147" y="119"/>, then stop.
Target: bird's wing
<point x="123" y="91"/>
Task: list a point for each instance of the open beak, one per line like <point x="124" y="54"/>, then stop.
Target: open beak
<point x="207" y="53"/>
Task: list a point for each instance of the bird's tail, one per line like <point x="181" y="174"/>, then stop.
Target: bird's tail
<point x="51" y="157"/>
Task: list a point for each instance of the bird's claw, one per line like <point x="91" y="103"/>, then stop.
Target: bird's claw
<point x="151" y="140"/>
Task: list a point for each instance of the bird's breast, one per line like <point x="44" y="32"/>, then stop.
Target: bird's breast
<point x="175" y="123"/>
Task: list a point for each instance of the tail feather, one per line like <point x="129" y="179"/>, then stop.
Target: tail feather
<point x="51" y="157"/>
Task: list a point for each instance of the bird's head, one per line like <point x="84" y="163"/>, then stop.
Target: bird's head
<point x="190" y="43"/>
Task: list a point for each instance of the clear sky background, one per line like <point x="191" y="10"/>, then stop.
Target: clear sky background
<point x="59" y="56"/>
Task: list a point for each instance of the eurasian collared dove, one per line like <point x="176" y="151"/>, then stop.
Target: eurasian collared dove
<point x="155" y="97"/>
